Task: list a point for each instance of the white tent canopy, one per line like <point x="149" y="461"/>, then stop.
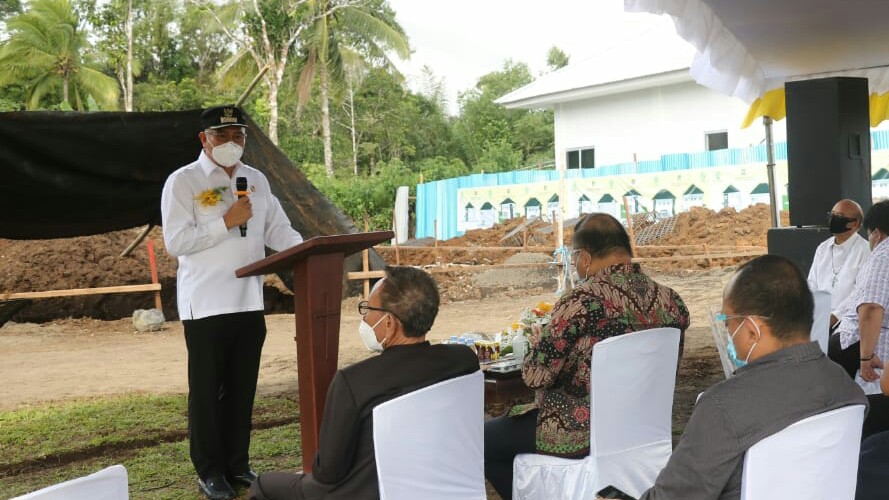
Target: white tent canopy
<point x="746" y="48"/>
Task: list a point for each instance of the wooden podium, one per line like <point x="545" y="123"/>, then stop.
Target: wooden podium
<point x="317" y="266"/>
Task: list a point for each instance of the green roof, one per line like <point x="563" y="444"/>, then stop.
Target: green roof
<point x="469" y="205"/>
<point x="584" y="198"/>
<point x="881" y="175"/>
<point x="730" y="189"/>
<point x="554" y="198"/>
<point x="533" y="202"/>
<point x="487" y="206"/>
<point x="632" y="192"/>
<point x="692" y="190"/>
<point x="606" y="198"/>
<point x="507" y="201"/>
<point x="663" y="194"/>
<point x="761" y="188"/>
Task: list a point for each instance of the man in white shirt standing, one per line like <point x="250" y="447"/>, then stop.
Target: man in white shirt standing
<point x="839" y="257"/>
<point x="219" y="215"/>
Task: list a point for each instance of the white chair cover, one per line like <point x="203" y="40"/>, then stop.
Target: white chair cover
<point x="815" y="458"/>
<point x="631" y="403"/>
<point x="107" y="484"/>
<point x="430" y="443"/>
<point x="720" y="340"/>
<point x="821" y="320"/>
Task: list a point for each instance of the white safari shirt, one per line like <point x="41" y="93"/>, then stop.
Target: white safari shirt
<point x="835" y="267"/>
<point x="209" y="254"/>
<point x="872" y="287"/>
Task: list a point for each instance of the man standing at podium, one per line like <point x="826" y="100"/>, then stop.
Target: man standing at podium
<point x="219" y="215"/>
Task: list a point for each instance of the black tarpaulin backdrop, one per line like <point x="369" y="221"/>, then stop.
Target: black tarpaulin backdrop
<point x="68" y="174"/>
<point x="75" y="174"/>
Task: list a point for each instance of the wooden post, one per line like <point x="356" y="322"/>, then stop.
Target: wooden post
<point x="630" y="226"/>
<point x="556" y="233"/>
<point x="365" y="259"/>
<point x="435" y="253"/>
<point x="152" y="264"/>
<point x="394" y="230"/>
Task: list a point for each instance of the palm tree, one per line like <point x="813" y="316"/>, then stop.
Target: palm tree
<point x="367" y="28"/>
<point x="45" y="50"/>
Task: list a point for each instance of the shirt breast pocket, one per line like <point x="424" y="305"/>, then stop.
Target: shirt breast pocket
<point x="209" y="212"/>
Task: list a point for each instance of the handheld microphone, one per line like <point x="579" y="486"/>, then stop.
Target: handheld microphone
<point x="241" y="187"/>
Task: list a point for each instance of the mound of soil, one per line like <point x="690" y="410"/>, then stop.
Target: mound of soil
<point x="94" y="261"/>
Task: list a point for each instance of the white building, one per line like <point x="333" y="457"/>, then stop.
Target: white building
<point x="636" y="102"/>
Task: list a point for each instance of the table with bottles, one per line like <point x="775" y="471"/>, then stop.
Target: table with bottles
<point x="502" y="368"/>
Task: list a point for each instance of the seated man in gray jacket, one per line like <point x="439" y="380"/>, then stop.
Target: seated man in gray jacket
<point x="395" y="319"/>
<point x="783" y="377"/>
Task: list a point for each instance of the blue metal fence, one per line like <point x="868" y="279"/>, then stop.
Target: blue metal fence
<point x="437" y="201"/>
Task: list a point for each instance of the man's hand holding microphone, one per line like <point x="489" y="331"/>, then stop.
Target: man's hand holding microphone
<point x="242" y="210"/>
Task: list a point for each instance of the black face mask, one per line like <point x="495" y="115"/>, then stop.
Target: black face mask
<point x="837" y="224"/>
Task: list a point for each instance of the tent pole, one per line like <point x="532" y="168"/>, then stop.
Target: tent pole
<point x="770" y="169"/>
<point x="138" y="240"/>
<point x="252" y="86"/>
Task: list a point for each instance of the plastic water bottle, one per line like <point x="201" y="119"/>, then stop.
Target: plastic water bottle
<point x="519" y="347"/>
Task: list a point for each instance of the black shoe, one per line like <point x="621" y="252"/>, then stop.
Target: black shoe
<point x="243" y="479"/>
<point x="216" y="488"/>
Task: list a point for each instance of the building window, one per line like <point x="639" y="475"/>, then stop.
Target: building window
<point x="581" y="158"/>
<point x="716" y="140"/>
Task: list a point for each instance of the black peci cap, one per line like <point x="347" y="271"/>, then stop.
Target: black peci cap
<point x="222" y="116"/>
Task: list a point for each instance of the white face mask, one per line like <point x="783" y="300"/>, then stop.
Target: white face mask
<point x="369" y="337"/>
<point x="227" y="154"/>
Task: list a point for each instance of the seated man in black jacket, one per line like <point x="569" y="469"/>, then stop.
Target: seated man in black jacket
<point x="396" y="317"/>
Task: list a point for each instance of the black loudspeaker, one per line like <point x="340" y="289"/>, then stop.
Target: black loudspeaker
<point x="828" y="146"/>
<point x="797" y="244"/>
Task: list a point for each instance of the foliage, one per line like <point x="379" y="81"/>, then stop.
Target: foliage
<point x="489" y="130"/>
<point x="47" y="49"/>
<point x="194" y="53"/>
<point x="556" y="58"/>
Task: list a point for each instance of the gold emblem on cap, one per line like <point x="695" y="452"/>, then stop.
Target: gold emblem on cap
<point x="228" y="116"/>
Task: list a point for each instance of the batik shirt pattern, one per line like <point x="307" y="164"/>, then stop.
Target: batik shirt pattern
<point x="616" y="300"/>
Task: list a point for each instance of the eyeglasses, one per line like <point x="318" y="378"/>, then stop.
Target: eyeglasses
<point x="363" y="307"/>
<point x="847" y="219"/>
<point x="725" y="317"/>
<point x="236" y="137"/>
<point x="575" y="253"/>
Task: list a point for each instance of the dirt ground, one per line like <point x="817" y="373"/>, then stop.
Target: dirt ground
<point x="76" y="358"/>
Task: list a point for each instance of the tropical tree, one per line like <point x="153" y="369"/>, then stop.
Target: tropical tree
<point x="46" y="50"/>
<point x="556" y="58"/>
<point x="496" y="136"/>
<point x="340" y="29"/>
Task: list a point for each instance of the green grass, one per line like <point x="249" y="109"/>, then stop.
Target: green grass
<point x="156" y="471"/>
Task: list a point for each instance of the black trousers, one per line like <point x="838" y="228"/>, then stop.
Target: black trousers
<point x="877" y="419"/>
<point x="223" y="363"/>
<point x="506" y="437"/>
<point x="849" y="358"/>
<point x="873" y="482"/>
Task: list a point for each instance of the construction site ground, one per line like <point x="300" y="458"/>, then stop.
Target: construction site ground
<point x="62" y="349"/>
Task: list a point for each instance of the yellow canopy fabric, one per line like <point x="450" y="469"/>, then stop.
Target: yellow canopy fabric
<point x="772" y="104"/>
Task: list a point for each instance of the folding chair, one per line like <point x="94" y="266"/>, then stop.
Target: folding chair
<point x="631" y="404"/>
<point x="430" y="443"/>
<point x="815" y="458"/>
<point x="107" y="484"/>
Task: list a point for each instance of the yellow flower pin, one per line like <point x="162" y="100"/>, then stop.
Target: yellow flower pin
<point x="210" y="197"/>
